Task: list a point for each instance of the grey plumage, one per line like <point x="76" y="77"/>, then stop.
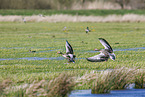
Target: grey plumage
<point x="105" y="53"/>
<point x="69" y="55"/>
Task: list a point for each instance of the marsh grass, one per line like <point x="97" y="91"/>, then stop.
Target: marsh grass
<point x="105" y="81"/>
<point x="102" y="83"/>
<point x="58" y="87"/>
<point x="113" y="80"/>
<point x="140" y="78"/>
<point x="122" y="77"/>
<point x="17" y="38"/>
<point x="3" y="84"/>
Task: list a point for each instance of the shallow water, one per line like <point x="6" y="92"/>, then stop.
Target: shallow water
<point x="24" y="47"/>
<point x="34" y="58"/>
<point x="113" y="93"/>
<point x="60" y="58"/>
<point x="129" y="49"/>
<point x="37" y="58"/>
<point x="12" y="47"/>
<point x="46" y="51"/>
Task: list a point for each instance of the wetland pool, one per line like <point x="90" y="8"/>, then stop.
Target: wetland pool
<point x="113" y="93"/>
<point x="61" y="58"/>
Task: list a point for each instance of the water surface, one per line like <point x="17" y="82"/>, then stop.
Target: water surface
<point x="129" y="49"/>
<point x="34" y="58"/>
<point x="113" y="93"/>
<point x="60" y="58"/>
<point x="37" y="58"/>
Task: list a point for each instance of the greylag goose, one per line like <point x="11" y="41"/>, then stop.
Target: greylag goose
<point x="105" y="53"/>
<point x="69" y="53"/>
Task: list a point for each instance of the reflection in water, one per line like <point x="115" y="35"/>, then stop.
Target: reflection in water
<point x="113" y="93"/>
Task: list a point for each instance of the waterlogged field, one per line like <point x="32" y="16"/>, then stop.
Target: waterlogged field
<point x="21" y="66"/>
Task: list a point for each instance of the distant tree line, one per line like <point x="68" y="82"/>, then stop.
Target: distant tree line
<point x="134" y="4"/>
<point x="39" y="4"/>
<point x="65" y="4"/>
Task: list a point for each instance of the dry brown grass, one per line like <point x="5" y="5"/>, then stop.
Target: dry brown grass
<point x="58" y="87"/>
<point x="140" y="78"/>
<point x="4" y="84"/>
<point x="105" y="81"/>
<point x="69" y="18"/>
<point x="122" y="77"/>
<point x="98" y="81"/>
<point x="102" y="84"/>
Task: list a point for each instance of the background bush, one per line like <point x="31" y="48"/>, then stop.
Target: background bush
<point x="72" y="4"/>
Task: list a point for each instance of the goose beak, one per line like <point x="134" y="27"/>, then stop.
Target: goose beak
<point x="96" y="50"/>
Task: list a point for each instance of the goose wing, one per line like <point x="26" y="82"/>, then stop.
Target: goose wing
<point x="112" y="56"/>
<point x="69" y="49"/>
<point x="97" y="58"/>
<point x="106" y="44"/>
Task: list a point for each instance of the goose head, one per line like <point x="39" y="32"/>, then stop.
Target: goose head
<point x="59" y="52"/>
<point x="30" y="50"/>
<point x="96" y="50"/>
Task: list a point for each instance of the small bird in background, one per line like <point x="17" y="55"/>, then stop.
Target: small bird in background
<point x="105" y="54"/>
<point x="84" y="42"/>
<point x="69" y="55"/>
<point x="53" y="36"/>
<point x="29" y="36"/>
<point x="31" y="51"/>
<point x="64" y="29"/>
<point x="41" y="15"/>
<point x="24" y="20"/>
<point x="87" y="30"/>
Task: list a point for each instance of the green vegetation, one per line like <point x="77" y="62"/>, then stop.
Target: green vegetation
<point x="70" y="12"/>
<point x="47" y="38"/>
